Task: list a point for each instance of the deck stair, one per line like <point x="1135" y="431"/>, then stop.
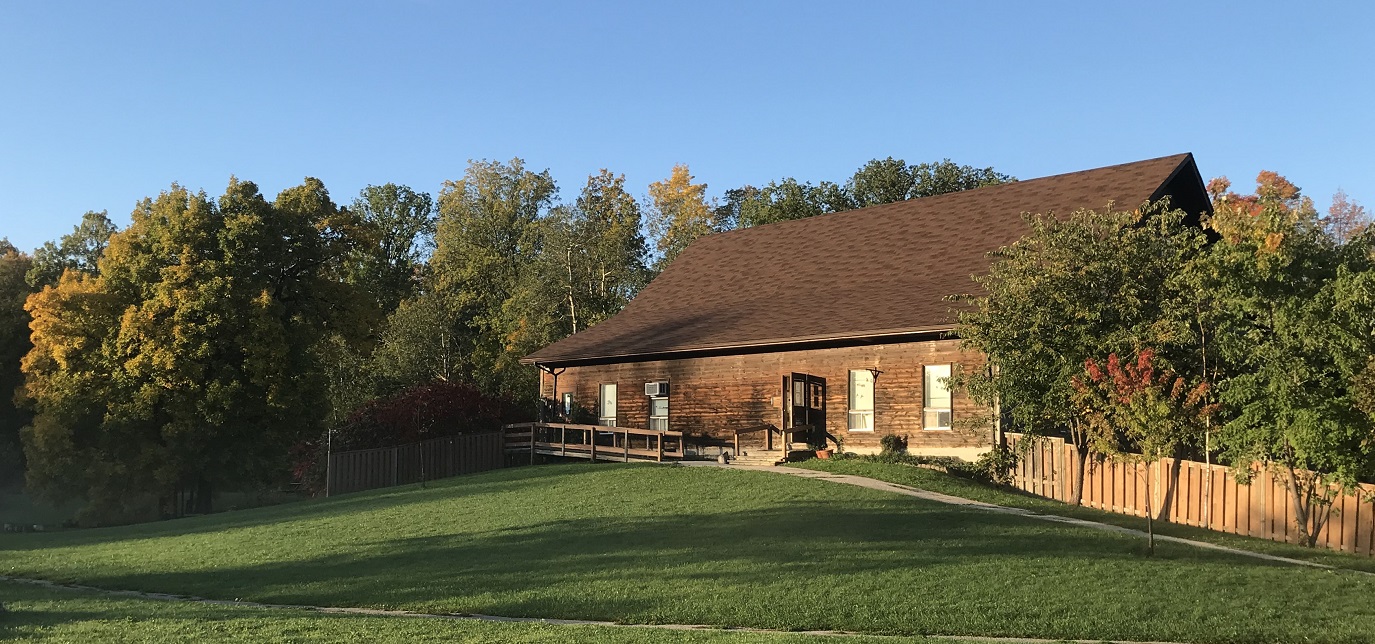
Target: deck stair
<point x="760" y="457"/>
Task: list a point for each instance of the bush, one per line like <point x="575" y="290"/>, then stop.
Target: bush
<point x="994" y="466"/>
<point x="893" y="444"/>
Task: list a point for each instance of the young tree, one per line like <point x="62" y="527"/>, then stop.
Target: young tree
<point x="1138" y="412"/>
<point x="1091" y="284"/>
<point x="80" y="250"/>
<point x="678" y="214"/>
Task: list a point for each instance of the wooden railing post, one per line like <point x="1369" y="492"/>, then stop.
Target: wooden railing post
<point x="625" y="444"/>
<point x="592" y="434"/>
<point x="533" y="427"/>
<point x="660" y="442"/>
<point x="563" y="441"/>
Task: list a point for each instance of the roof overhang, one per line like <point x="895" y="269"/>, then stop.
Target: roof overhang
<point x="883" y="336"/>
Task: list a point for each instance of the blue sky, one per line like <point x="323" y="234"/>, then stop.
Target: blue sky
<point x="102" y="104"/>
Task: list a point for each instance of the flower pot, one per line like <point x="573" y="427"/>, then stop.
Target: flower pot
<point x="823" y="453"/>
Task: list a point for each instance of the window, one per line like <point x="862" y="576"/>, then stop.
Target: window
<point x="658" y="413"/>
<point x="606" y="405"/>
<point x="936" y="397"/>
<point x="567" y="404"/>
<point x="861" y="416"/>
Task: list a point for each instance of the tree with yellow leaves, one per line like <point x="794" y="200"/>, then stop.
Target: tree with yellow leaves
<point x="678" y="213"/>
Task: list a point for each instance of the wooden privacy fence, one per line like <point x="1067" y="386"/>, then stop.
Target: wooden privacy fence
<point x="593" y="442"/>
<point x="1195" y="494"/>
<point x="366" y="469"/>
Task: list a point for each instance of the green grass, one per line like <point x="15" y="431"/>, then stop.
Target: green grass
<point x="43" y="615"/>
<point x="653" y="544"/>
<point x="936" y="481"/>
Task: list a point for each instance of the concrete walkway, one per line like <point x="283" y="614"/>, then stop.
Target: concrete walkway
<point x="895" y="488"/>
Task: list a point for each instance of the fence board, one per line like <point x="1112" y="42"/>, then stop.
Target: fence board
<point x="367" y="469"/>
<point x="1192" y="493"/>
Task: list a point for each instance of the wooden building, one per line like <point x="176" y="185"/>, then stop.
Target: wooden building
<point x="837" y="321"/>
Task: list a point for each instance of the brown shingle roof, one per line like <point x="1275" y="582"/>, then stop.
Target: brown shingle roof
<point x="882" y="270"/>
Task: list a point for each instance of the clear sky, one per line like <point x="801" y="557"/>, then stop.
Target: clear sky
<point x="104" y="103"/>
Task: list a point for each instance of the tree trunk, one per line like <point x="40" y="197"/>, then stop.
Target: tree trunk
<point x="1076" y="495"/>
<point x="1302" y="498"/>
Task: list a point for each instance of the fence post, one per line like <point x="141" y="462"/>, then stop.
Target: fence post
<point x="592" y="438"/>
<point x="533" y="426"/>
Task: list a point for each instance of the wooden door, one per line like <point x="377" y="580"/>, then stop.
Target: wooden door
<point x="804" y="403"/>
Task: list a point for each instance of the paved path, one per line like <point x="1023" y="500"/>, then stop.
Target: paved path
<point x="884" y="486"/>
<point x="377" y="612"/>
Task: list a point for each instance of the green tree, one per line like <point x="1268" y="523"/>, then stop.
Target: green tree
<point x="400" y="226"/>
<point x="488" y="243"/>
<point x="1090" y="284"/>
<point x="879" y="181"/>
<point x="80" y="250"/>
<point x="189" y="363"/>
<point x="1298" y="333"/>
<point x="595" y="251"/>
<point x="14" y="343"/>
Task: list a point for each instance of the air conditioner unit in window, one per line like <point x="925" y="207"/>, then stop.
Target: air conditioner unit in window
<point x="656" y="388"/>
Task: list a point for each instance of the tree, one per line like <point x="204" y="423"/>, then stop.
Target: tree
<point x="1091" y="284"/>
<point x="1138" y="412"/>
<point x="80" y="250"/>
<point x="488" y="242"/>
<point x="595" y="251"/>
<point x="1298" y="333"/>
<point x="879" y="181"/>
<point x="14" y="343"/>
<point x="188" y="364"/>
<point x="1345" y="218"/>
<point x="678" y="214"/>
<point x="400" y="225"/>
<point x="788" y="200"/>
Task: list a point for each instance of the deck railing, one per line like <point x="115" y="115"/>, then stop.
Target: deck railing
<point x="593" y="442"/>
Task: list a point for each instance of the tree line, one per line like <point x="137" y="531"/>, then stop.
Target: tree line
<point x="213" y="341"/>
<point x="1247" y="337"/>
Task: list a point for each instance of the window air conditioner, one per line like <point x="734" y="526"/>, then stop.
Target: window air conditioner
<point x="656" y="388"/>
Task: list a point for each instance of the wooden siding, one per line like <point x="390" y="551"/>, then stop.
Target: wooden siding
<point x="714" y="396"/>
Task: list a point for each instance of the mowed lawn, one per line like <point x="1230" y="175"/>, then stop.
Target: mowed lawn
<point x="59" y="616"/>
<point x="657" y="544"/>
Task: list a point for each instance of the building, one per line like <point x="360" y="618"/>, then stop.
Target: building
<point x="838" y="321"/>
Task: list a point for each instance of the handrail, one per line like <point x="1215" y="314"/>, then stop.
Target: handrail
<point x="538" y="439"/>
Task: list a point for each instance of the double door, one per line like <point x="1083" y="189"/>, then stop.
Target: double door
<point x="804" y="404"/>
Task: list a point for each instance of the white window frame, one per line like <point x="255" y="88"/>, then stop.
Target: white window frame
<point x="604" y="419"/>
<point x="853" y="412"/>
<point x="659" y="423"/>
<point x="927" y="410"/>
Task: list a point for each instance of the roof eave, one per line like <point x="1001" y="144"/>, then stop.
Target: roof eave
<point x="753" y="346"/>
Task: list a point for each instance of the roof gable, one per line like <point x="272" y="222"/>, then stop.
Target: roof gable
<point x="867" y="273"/>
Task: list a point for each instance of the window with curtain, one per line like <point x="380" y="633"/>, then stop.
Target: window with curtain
<point x="936" y="397"/>
<point x="606" y="405"/>
<point x="658" y="413"/>
<point x="861" y="416"/>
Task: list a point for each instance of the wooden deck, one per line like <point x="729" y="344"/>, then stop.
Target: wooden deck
<point x="593" y="442"/>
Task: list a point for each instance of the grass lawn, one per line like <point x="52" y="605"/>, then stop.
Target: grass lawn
<point x="957" y="486"/>
<point x="656" y="544"/>
<point x="43" y="615"/>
